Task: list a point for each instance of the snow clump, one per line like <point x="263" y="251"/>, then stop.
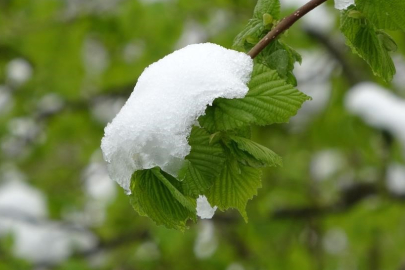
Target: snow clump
<point x="204" y="208"/>
<point x="152" y="127"/>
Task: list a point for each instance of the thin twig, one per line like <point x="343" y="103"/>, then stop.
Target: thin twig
<point x="284" y="24"/>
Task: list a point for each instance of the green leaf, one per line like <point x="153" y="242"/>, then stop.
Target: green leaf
<point x="268" y="20"/>
<point x="271" y="7"/>
<point x="202" y="165"/>
<point x="281" y="57"/>
<point x="384" y="14"/>
<point x="362" y="37"/>
<point x="257" y="27"/>
<point x="159" y="196"/>
<point x="174" y="186"/>
<point x="279" y="60"/>
<point x="269" y="100"/>
<point x="387" y="41"/>
<point x="251" y="32"/>
<point x="234" y="187"/>
<point x="253" y="154"/>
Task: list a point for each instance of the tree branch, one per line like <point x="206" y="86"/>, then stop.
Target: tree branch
<point x="284" y="24"/>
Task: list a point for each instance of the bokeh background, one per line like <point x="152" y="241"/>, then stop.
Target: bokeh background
<point x="67" y="67"/>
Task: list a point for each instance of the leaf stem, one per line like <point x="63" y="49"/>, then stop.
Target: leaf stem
<point x="283" y="25"/>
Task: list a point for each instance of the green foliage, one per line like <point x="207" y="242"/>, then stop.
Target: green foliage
<point x="263" y="7"/>
<point x="384" y="14"/>
<point x="52" y="41"/>
<point x="265" y="12"/>
<point x="222" y="163"/>
<point x="202" y="165"/>
<point x="269" y="100"/>
<point x="235" y="185"/>
<point x="277" y="55"/>
<point x="223" y="160"/>
<point x="252" y="154"/>
<point x="369" y="43"/>
<point x="160" y="196"/>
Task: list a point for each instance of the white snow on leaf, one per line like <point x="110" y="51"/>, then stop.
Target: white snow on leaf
<point x="152" y="127"/>
<point x="343" y="4"/>
<point x="204" y="209"/>
<point x="378" y="107"/>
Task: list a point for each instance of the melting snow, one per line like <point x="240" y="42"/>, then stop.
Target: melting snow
<point x="204" y="209"/>
<point x="152" y="127"/>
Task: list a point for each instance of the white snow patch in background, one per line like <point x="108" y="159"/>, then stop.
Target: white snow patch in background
<point x="326" y="163"/>
<point x="132" y="51"/>
<point x="147" y="251"/>
<point x="50" y="103"/>
<point x="97" y="183"/>
<point x="6" y="100"/>
<point x="378" y="107"/>
<point x="100" y="191"/>
<point x="343" y="4"/>
<point x="152" y="127"/>
<point x="335" y="241"/>
<point x="235" y="266"/>
<point x="193" y="33"/>
<point x="23" y="213"/>
<point x="320" y="14"/>
<point x="311" y="20"/>
<point x="24" y="127"/>
<point x="399" y="77"/>
<point x="204" y="209"/>
<point x="46" y="242"/>
<point x="396" y="179"/>
<point x="18" y="71"/>
<point x="105" y="108"/>
<point x="95" y="56"/>
<point x="313" y="77"/>
<point x="18" y="197"/>
<point x="206" y="243"/>
<point x="219" y="20"/>
<point x="74" y="8"/>
<point x="154" y="1"/>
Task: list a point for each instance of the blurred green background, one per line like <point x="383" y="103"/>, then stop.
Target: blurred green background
<point x="67" y="67"/>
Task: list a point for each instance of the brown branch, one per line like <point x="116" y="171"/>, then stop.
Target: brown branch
<point x="284" y="24"/>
